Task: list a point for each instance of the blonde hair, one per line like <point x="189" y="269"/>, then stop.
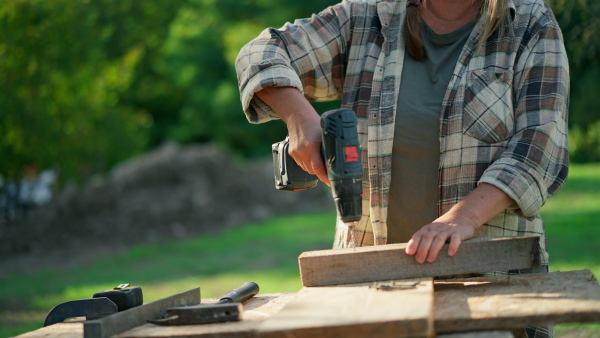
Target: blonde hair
<point x="494" y="12"/>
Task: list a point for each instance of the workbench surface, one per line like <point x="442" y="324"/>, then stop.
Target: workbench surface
<point x="484" y="303"/>
<point x="256" y="309"/>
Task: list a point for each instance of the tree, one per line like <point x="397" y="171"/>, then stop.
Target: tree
<point x="198" y="55"/>
<point x="65" y="66"/>
<point x="580" y="23"/>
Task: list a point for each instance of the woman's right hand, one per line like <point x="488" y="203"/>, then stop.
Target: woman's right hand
<point x="305" y="144"/>
<point x="304" y="127"/>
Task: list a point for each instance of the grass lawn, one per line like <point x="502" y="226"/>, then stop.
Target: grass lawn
<point x="267" y="253"/>
<point x="572" y="220"/>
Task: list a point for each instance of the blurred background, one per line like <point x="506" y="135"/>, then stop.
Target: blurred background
<point x="125" y="155"/>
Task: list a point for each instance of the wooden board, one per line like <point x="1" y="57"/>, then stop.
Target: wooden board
<point x="401" y="309"/>
<point x="474" y="304"/>
<point x="256" y="309"/>
<point x="478" y="334"/>
<point x="61" y="330"/>
<point x="388" y="262"/>
<point x="505" y="302"/>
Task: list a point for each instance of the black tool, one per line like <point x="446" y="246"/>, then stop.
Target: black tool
<point x="124" y="296"/>
<point x="101" y="304"/>
<point x="229" y="308"/>
<point x="288" y="174"/>
<point x="92" y="308"/>
<point x="341" y="154"/>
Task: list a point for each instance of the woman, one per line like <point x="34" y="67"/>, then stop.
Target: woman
<point x="462" y="109"/>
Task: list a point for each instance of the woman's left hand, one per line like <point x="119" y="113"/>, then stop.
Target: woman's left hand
<point x="427" y="242"/>
<point x="458" y="224"/>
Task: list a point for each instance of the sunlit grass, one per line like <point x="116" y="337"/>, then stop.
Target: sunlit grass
<point x="572" y="220"/>
<point x="264" y="253"/>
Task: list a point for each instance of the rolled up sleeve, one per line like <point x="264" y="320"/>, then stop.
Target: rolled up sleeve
<point x="308" y="55"/>
<point x="535" y="163"/>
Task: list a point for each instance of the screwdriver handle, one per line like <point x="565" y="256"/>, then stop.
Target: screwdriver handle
<point x="244" y="292"/>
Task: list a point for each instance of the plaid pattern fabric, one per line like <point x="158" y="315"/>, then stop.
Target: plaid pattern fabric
<point x="503" y="119"/>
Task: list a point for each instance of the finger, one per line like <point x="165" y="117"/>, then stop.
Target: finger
<point x="424" y="246"/>
<point x="436" y="246"/>
<point x="455" y="241"/>
<point x="303" y="158"/>
<point x="413" y="244"/>
<point x="301" y="164"/>
<point x="298" y="157"/>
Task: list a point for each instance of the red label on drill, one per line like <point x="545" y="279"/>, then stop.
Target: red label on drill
<point x="351" y="153"/>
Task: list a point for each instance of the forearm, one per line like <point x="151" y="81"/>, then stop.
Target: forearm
<point x="481" y="205"/>
<point x="288" y="103"/>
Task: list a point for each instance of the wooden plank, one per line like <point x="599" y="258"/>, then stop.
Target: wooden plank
<point x="61" y="330"/>
<point x="478" y="334"/>
<point x="357" y="310"/>
<point x="505" y="302"/>
<point x="476" y="304"/>
<point x="388" y="262"/>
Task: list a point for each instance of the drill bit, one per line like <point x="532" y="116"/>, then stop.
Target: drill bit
<point x="351" y="227"/>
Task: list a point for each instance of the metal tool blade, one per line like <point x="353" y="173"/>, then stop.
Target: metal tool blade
<point x="229" y="308"/>
<point x="128" y="319"/>
<point x="93" y="307"/>
<point x="202" y="314"/>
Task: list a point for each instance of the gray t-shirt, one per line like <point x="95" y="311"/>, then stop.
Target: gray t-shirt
<point x="413" y="195"/>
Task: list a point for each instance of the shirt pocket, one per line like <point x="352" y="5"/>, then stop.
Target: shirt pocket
<point x="488" y="111"/>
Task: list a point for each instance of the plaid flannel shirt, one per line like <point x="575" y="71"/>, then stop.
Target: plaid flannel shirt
<point x="503" y="120"/>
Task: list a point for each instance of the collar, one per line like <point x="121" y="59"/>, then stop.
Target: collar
<point x="386" y="9"/>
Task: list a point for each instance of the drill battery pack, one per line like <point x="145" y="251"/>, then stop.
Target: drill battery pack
<point x="288" y="174"/>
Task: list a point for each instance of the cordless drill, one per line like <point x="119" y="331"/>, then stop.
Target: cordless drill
<point x="341" y="154"/>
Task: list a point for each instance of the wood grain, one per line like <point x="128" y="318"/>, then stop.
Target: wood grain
<point x="388" y="262"/>
<point x="66" y="330"/>
<point x="478" y="334"/>
<point x="356" y="310"/>
<point x="505" y="302"/>
<point x="475" y="304"/>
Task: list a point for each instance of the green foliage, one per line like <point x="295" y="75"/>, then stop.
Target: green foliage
<point x="86" y="84"/>
<point x="584" y="144"/>
<point x="65" y="66"/>
<point x="199" y="55"/>
<point x="584" y="135"/>
<point x="580" y="23"/>
<point x="585" y="101"/>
